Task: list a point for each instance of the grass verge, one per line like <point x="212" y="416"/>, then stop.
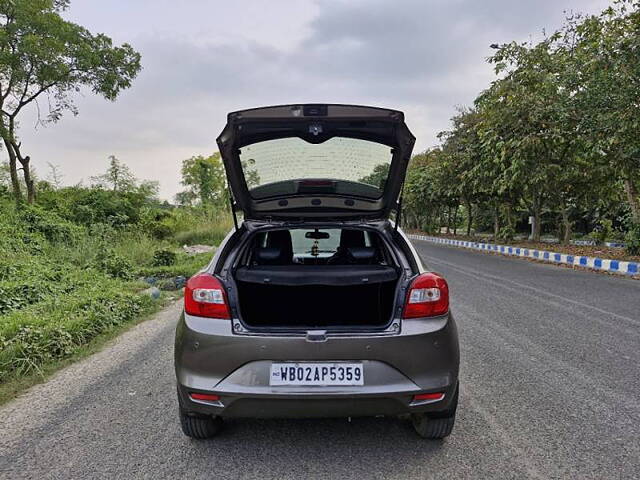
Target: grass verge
<point x="15" y="385"/>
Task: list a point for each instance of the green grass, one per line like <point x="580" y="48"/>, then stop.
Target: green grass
<point x="16" y="384"/>
<point x="65" y="288"/>
<point x="185" y="266"/>
<point x="202" y="228"/>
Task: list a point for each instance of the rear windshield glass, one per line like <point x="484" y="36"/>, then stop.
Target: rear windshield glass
<point x="358" y="167"/>
<point x="323" y="247"/>
<point x="306" y="245"/>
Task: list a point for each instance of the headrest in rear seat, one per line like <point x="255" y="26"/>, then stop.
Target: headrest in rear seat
<point x="361" y="254"/>
<point x="268" y="255"/>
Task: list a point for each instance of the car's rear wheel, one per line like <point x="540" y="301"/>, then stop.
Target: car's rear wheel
<point x="436" y="425"/>
<point x="433" y="428"/>
<point x="196" y="425"/>
<point x="199" y="427"/>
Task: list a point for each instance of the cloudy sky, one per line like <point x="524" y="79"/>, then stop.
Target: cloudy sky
<point x="203" y="58"/>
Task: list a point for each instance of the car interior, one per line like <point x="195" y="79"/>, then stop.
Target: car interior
<point x="306" y="278"/>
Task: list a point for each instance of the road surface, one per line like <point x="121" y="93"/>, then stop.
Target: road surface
<point x="550" y="388"/>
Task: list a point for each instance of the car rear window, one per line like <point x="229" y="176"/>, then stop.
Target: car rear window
<point x="359" y="166"/>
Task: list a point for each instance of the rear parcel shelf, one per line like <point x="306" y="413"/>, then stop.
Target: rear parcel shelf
<point x="329" y="275"/>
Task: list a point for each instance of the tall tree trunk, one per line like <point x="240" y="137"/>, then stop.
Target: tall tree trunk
<point x="13" y="172"/>
<point x="496" y="222"/>
<point x="537" y="218"/>
<point x="469" y="218"/>
<point x="633" y="198"/>
<point x="566" y="226"/>
<point x="448" y="220"/>
<point x="28" y="180"/>
<point x="537" y="227"/>
<point x="455" y="219"/>
<point x="508" y="210"/>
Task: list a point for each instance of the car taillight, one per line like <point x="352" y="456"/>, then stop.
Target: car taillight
<point x="204" y="296"/>
<point x="427" y="297"/>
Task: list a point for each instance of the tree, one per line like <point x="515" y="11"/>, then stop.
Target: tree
<point x="44" y="56"/>
<point x="204" y="178"/>
<point x="531" y="128"/>
<point x="378" y="177"/>
<point x="251" y="175"/>
<point x="118" y="177"/>
<point x="55" y="176"/>
<point x="422" y="199"/>
<point x="462" y="145"/>
<point x="607" y="48"/>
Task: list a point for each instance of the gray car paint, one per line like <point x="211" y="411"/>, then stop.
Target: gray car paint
<point x="420" y="355"/>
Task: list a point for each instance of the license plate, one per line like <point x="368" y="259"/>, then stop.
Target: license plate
<point x="321" y="374"/>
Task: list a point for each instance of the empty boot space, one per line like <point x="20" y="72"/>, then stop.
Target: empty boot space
<point x="265" y="305"/>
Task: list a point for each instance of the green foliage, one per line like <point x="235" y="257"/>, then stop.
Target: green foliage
<point x="554" y="136"/>
<point x="51" y="226"/>
<point x="87" y="206"/>
<point x="118" y="177"/>
<point x="157" y="222"/>
<point x="506" y="234"/>
<point x="185" y="266"/>
<point x="205" y="180"/>
<point x="114" y="265"/>
<point x="199" y="226"/>
<point x="164" y="258"/>
<point x="632" y="239"/>
<point x="378" y="177"/>
<point x="67" y="268"/>
<point x="44" y="55"/>
<point x="602" y="232"/>
<point x="55" y="328"/>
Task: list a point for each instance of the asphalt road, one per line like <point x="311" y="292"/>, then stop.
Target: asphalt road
<point x="550" y="389"/>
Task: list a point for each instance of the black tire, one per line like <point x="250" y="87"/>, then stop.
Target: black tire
<point x="199" y="427"/>
<point x="433" y="428"/>
<point x="437" y="425"/>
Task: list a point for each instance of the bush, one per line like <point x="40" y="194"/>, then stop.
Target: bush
<point x="157" y="222"/>
<point x="56" y="329"/>
<point x="114" y="265"/>
<point x="506" y="234"/>
<point x="16" y="295"/>
<point x="632" y="239"/>
<point x="164" y="258"/>
<point x="66" y="267"/>
<point x="185" y="266"/>
<point x="52" y="227"/>
<point x="602" y="232"/>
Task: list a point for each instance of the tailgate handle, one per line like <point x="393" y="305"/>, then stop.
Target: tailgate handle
<point x="316" y="336"/>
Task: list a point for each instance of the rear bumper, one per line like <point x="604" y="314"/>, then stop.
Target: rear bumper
<point x="209" y="358"/>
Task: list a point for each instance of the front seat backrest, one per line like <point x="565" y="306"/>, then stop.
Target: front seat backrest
<point x="351" y="238"/>
<point x="281" y="239"/>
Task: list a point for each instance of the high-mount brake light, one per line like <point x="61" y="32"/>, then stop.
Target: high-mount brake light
<point x="427" y="297"/>
<point x="205" y="296"/>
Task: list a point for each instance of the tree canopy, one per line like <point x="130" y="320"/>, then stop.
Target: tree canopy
<point x="556" y="136"/>
<point x="42" y="55"/>
<point x="204" y="178"/>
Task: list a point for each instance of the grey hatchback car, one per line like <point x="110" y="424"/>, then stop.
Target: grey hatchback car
<point x="316" y="304"/>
